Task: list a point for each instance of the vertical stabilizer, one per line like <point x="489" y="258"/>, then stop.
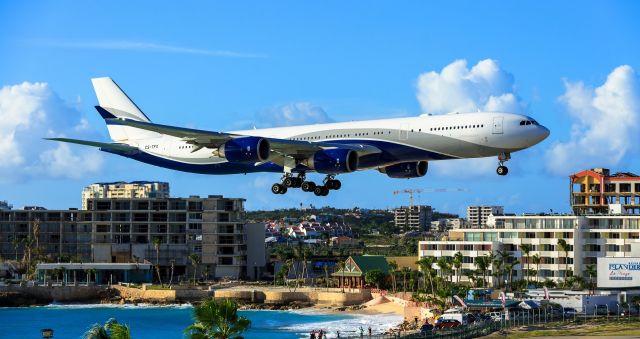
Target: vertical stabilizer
<point x="114" y="103"/>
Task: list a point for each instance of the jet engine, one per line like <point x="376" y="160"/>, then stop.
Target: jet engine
<point x="246" y="149"/>
<point x="333" y="161"/>
<point x="406" y="170"/>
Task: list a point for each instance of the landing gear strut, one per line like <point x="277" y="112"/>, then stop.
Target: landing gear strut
<point x="502" y="158"/>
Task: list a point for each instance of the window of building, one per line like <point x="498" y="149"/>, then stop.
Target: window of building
<point x="609" y="187"/>
<point x="225" y="261"/>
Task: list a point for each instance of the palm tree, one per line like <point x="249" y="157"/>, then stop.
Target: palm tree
<point x="592" y="272"/>
<point x="536" y="261"/>
<point x="195" y="260"/>
<point x="173" y="266"/>
<point x="445" y="266"/>
<point x="16" y="244"/>
<point x="156" y="245"/>
<point x="90" y="271"/>
<point x="457" y="264"/>
<point x="509" y="268"/>
<point x="110" y="330"/>
<point x="217" y="319"/>
<point x="503" y="259"/>
<point x="426" y="265"/>
<point x="482" y="264"/>
<point x="526" y="249"/>
<point x="405" y="270"/>
<point x="393" y="268"/>
<point x="565" y="248"/>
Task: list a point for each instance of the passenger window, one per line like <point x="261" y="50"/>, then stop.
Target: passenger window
<point x="528" y="122"/>
<point x="522" y="123"/>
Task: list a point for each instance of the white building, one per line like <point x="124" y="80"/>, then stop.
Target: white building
<point x="414" y="218"/>
<point x="125" y="190"/>
<point x="587" y="237"/>
<point x="477" y="216"/>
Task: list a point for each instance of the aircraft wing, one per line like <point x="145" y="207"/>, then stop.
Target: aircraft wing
<point x="209" y="139"/>
<point x="102" y="145"/>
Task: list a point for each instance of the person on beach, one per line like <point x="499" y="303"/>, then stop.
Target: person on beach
<point x="369" y="331"/>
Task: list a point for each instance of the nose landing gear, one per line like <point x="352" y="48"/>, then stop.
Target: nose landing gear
<point x="502" y="158"/>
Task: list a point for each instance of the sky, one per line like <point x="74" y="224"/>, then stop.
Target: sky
<point x="572" y="65"/>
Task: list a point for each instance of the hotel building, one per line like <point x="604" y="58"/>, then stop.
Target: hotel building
<point x="414" y="218"/>
<point x="125" y="190"/>
<point x="477" y="216"/>
<point x="152" y="230"/>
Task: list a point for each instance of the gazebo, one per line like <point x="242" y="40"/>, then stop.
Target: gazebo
<point x="355" y="268"/>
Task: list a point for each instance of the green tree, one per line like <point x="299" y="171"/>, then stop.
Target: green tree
<point x="374" y="277"/>
<point x="526" y="250"/>
<point x="482" y="264"/>
<point x="393" y="269"/>
<point x="156" y="245"/>
<point x="110" y="330"/>
<point x="445" y="267"/>
<point x="591" y="272"/>
<point x="564" y="246"/>
<point x="457" y="264"/>
<point x="536" y="261"/>
<point x="217" y="319"/>
<point x="195" y="261"/>
<point x="426" y="265"/>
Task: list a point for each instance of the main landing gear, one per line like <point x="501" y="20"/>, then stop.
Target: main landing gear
<point x="289" y="181"/>
<point x="502" y="158"/>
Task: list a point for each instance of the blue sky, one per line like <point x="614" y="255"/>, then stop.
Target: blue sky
<point x="219" y="66"/>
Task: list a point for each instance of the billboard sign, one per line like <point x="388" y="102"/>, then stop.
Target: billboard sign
<point x="618" y="272"/>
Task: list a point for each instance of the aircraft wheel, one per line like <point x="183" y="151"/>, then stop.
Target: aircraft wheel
<point x="308" y="186"/>
<point x="276" y="188"/>
<point x="502" y="170"/>
<point x="289" y="182"/>
<point x="335" y="184"/>
<point x="325" y="191"/>
<point x="319" y="191"/>
<point x="284" y="189"/>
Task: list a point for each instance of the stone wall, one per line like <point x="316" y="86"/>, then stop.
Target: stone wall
<point x="164" y="296"/>
<point x="48" y="294"/>
<point x="283" y="297"/>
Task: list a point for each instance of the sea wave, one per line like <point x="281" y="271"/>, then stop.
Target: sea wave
<point x="349" y="326"/>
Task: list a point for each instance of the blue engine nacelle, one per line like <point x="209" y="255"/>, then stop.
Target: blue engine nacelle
<point x="333" y="161"/>
<point x="246" y="149"/>
<point x="406" y="170"/>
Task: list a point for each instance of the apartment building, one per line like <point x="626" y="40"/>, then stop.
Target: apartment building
<point x="5" y="206"/>
<point x="164" y="231"/>
<point x="125" y="190"/>
<point x="593" y="191"/>
<point x="413" y="218"/>
<point x="588" y="238"/>
<point x="477" y="216"/>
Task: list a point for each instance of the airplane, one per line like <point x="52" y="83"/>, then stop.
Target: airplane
<point x="399" y="147"/>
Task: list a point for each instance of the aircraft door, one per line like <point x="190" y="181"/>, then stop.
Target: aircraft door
<point x="497" y="125"/>
<point x="403" y="133"/>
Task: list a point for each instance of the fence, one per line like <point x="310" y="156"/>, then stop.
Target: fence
<point x="517" y="319"/>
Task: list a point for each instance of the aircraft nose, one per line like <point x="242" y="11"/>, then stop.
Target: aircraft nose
<point x="542" y="133"/>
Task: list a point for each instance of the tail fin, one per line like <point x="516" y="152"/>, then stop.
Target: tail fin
<point x="114" y="103"/>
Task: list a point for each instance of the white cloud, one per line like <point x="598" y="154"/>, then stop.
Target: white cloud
<point x="292" y="114"/>
<point x="485" y="87"/>
<point x="30" y="112"/>
<point x="148" y="47"/>
<point x="457" y="88"/>
<point x="605" y="123"/>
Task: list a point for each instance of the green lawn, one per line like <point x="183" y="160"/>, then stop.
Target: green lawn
<point x="590" y="328"/>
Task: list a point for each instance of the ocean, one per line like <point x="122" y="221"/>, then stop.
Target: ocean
<point x="147" y="321"/>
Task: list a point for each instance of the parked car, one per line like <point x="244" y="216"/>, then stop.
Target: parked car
<point x="447" y="323"/>
<point x="602" y="310"/>
<point x="426" y="328"/>
<point x="570" y="311"/>
<point x="496" y="316"/>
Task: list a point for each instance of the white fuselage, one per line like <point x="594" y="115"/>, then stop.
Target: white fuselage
<point x="426" y="137"/>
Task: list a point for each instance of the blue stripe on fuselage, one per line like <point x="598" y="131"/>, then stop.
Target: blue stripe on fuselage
<point x="391" y="153"/>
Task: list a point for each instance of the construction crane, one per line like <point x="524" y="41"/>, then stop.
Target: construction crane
<point x="411" y="191"/>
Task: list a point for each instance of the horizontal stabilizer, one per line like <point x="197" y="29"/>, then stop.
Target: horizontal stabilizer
<point x="103" y="145"/>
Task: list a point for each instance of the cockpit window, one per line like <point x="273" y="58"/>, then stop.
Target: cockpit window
<point x="528" y="122"/>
